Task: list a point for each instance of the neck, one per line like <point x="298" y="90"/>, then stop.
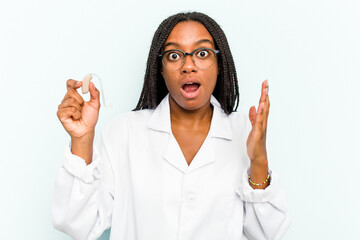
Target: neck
<point x="190" y="119"/>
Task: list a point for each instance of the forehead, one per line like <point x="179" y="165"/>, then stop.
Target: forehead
<point x="188" y="34"/>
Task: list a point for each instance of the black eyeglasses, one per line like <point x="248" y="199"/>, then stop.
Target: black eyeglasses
<point x="202" y="58"/>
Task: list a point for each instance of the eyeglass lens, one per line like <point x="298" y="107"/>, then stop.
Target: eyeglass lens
<point x="202" y="58"/>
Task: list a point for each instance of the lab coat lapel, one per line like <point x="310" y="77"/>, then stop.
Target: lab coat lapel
<point x="203" y="157"/>
<point x="220" y="122"/>
<point x="174" y="155"/>
<point x="220" y="128"/>
<point x="160" y="121"/>
<point x="160" y="118"/>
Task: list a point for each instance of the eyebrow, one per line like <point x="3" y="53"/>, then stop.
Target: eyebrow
<point x="196" y="43"/>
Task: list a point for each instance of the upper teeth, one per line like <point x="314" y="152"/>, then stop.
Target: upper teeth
<point x="190" y="83"/>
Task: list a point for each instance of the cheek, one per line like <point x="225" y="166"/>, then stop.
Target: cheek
<point x="168" y="81"/>
<point x="212" y="77"/>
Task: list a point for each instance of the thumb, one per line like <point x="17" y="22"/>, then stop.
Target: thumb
<point x="94" y="94"/>
<point x="252" y="115"/>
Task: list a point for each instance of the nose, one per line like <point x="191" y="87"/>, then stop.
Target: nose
<point x="189" y="65"/>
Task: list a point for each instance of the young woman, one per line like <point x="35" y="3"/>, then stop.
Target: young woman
<point x="183" y="164"/>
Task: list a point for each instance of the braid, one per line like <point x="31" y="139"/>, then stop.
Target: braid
<point x="154" y="89"/>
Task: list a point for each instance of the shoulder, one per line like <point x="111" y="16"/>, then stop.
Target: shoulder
<point x="139" y="116"/>
<point x="125" y="121"/>
<point x="238" y="118"/>
<point x="239" y="121"/>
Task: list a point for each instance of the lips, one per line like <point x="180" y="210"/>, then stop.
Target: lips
<point x="190" y="88"/>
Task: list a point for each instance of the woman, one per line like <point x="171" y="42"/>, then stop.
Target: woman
<point x="183" y="165"/>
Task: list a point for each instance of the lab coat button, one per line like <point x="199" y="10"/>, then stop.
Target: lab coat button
<point x="191" y="197"/>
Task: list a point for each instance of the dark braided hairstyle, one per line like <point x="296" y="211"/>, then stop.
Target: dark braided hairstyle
<point x="154" y="89"/>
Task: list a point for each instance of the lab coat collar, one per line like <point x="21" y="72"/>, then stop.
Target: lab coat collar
<point x="220" y="123"/>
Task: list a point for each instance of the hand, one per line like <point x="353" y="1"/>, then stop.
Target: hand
<point x="77" y="116"/>
<point x="256" y="142"/>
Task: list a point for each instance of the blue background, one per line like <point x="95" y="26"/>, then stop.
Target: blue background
<point x="309" y="49"/>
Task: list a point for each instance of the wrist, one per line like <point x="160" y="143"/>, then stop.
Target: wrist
<point x="87" y="138"/>
<point x="259" y="173"/>
<point x="83" y="147"/>
<point x="259" y="162"/>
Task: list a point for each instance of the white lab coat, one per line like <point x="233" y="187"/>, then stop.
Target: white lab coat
<point x="140" y="185"/>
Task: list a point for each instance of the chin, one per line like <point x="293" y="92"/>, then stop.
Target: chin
<point x="193" y="104"/>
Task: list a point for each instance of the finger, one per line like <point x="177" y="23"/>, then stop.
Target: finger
<point x="263" y="108"/>
<point x="94" y="94"/>
<point x="73" y="84"/>
<point x="252" y="115"/>
<point x="264" y="87"/>
<point x="69" y="112"/>
<point x="260" y="110"/>
<point x="259" y="116"/>
<point x="72" y="93"/>
<point x="70" y="102"/>
<point x="266" y="93"/>
<point x="266" y="107"/>
<point x="265" y="115"/>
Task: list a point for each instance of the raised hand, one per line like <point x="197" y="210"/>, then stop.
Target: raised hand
<point x="79" y="118"/>
<point x="256" y="142"/>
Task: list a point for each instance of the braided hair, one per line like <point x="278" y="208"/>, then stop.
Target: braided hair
<point x="154" y="89"/>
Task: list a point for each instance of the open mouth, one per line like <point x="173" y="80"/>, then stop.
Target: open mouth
<point x="190" y="90"/>
<point x="191" y="87"/>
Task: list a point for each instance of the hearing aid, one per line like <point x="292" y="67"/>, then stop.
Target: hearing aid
<point x="86" y="86"/>
<point x="86" y="83"/>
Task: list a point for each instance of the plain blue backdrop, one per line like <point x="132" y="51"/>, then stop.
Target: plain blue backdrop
<point x="309" y="49"/>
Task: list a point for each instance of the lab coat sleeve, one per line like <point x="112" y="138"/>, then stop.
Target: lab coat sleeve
<point x="83" y="195"/>
<point x="265" y="210"/>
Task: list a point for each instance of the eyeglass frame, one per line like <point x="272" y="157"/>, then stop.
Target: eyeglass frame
<point x="161" y="55"/>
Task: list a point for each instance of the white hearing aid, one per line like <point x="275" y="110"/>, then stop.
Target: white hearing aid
<point x="86" y="85"/>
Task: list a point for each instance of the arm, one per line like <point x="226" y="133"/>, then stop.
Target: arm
<point x="84" y="194"/>
<point x="265" y="209"/>
<point x="256" y="142"/>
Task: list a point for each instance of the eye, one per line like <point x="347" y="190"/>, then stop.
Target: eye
<point x="173" y="56"/>
<point x="202" y="53"/>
